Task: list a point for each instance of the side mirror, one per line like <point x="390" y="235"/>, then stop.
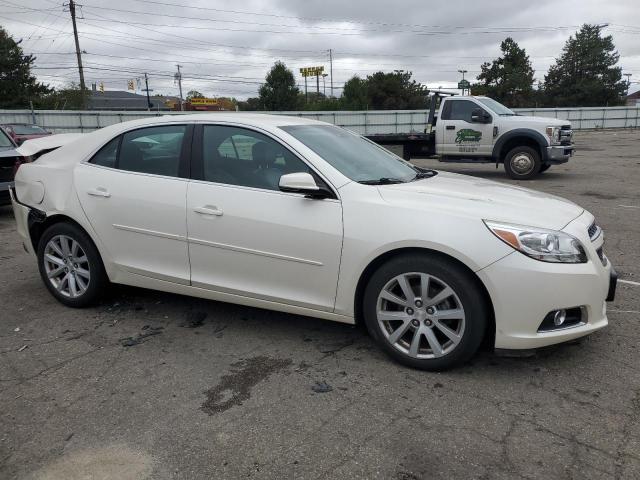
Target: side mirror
<point x="302" y="182"/>
<point x="480" y="116"/>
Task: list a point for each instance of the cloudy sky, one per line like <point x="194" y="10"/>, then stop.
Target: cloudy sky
<point x="225" y="48"/>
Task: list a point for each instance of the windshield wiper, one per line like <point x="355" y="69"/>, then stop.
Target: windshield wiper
<point x="424" y="173"/>
<point x="381" y="181"/>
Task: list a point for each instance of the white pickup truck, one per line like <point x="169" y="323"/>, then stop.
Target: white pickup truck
<point x="481" y="130"/>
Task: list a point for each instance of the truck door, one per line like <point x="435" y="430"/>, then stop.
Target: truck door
<point x="465" y="128"/>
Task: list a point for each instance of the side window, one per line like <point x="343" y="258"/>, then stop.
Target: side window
<point x="153" y="150"/>
<point x="106" y="156"/>
<point x="237" y="156"/>
<point x="461" y="110"/>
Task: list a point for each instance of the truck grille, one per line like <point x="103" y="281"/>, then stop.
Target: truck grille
<point x="566" y="135"/>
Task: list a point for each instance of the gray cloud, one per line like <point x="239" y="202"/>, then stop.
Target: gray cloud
<point x="226" y="53"/>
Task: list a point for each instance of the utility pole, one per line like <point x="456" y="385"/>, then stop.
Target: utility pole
<point x="324" y="85"/>
<point x="317" y="84"/>
<point x="628" y="75"/>
<point x="146" y="84"/>
<point x="331" y="69"/>
<point x="179" y="78"/>
<point x="72" y="11"/>
<point x="306" y="93"/>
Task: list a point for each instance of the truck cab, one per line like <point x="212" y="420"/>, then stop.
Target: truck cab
<point x="479" y="129"/>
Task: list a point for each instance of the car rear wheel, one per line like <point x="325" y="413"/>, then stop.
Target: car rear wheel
<point x="522" y="163"/>
<point x="70" y="265"/>
<point x="425" y="312"/>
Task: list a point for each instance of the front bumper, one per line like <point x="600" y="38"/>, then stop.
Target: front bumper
<point x="524" y="291"/>
<point x="559" y="153"/>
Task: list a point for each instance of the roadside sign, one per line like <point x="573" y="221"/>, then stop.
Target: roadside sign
<point x="204" y="101"/>
<point x="464" y="85"/>
<point x="311" y="71"/>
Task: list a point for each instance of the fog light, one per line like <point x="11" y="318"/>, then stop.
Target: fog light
<point x="559" y="317"/>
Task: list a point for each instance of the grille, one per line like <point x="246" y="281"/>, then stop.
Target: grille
<point x="593" y="231"/>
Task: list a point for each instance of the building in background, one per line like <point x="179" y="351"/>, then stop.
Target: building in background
<point x="633" y="99"/>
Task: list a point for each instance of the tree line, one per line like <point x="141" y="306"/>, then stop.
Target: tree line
<point x="585" y="74"/>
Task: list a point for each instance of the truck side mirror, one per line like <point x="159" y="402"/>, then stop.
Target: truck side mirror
<point x="480" y="116"/>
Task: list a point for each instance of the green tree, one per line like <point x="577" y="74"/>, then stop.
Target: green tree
<point x="585" y="75"/>
<point x="395" y="91"/>
<point x="66" y="98"/>
<point x="194" y="94"/>
<point x="17" y="85"/>
<point x="509" y="78"/>
<point x="279" y="92"/>
<point x="354" y="95"/>
<point x="251" y="104"/>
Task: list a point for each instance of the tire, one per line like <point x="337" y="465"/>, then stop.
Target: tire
<point x="77" y="281"/>
<point x="545" y="167"/>
<point x="522" y="163"/>
<point x="436" y="350"/>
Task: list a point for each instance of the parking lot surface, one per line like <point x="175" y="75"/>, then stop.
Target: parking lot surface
<point x="154" y="385"/>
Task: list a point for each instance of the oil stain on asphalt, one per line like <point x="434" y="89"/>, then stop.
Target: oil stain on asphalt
<point x="235" y="387"/>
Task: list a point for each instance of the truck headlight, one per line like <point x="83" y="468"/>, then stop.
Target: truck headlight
<point x="544" y="245"/>
<point x="554" y="135"/>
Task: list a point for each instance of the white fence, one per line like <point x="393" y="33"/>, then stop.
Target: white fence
<point x="365" y="122"/>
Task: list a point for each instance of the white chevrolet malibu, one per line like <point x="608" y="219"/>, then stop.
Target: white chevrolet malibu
<point x="304" y="217"/>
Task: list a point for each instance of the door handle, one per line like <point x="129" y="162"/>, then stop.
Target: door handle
<point x="450" y="127"/>
<point x="99" y="192"/>
<point x="208" y="210"/>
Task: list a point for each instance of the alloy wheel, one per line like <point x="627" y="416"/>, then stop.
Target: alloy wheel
<point x="67" y="266"/>
<point x="420" y="315"/>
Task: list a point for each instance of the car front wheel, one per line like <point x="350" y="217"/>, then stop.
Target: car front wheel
<point x="70" y="265"/>
<point x="425" y="312"/>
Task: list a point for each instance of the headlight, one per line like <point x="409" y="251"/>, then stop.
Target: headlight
<point x="544" y="245"/>
<point x="554" y="135"/>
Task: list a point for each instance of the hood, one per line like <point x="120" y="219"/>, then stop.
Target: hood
<point x="31" y="148"/>
<point x="542" y="121"/>
<point x="8" y="152"/>
<point x="483" y="199"/>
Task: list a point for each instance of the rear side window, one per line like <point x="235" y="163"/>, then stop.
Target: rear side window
<point x="106" y="156"/>
<point x="155" y="150"/>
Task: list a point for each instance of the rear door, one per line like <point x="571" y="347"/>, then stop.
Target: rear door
<point x="133" y="192"/>
<point x="459" y="134"/>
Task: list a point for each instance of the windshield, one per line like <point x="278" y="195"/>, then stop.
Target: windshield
<point x="354" y="156"/>
<point x="28" y="130"/>
<point x="5" y="141"/>
<point x="497" y="107"/>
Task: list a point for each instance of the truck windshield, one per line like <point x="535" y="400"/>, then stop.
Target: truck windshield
<point x="354" y="156"/>
<point x="497" y="107"/>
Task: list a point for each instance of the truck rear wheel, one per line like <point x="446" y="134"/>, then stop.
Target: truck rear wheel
<point x="522" y="163"/>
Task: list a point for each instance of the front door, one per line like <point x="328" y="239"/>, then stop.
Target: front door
<point x="248" y="238"/>
<point x="462" y="137"/>
<point x="135" y="199"/>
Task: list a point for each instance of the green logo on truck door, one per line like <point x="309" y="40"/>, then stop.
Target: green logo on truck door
<point x="468" y="135"/>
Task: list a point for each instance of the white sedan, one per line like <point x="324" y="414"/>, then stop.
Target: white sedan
<point x="304" y="217"/>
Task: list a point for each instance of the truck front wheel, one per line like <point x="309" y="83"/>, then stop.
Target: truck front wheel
<point x="522" y="163"/>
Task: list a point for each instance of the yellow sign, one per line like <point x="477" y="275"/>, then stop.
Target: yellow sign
<point x="311" y="71"/>
<point x="204" y="101"/>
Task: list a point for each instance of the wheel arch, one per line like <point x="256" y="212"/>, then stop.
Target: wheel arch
<point x="520" y="137"/>
<point x="381" y="259"/>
